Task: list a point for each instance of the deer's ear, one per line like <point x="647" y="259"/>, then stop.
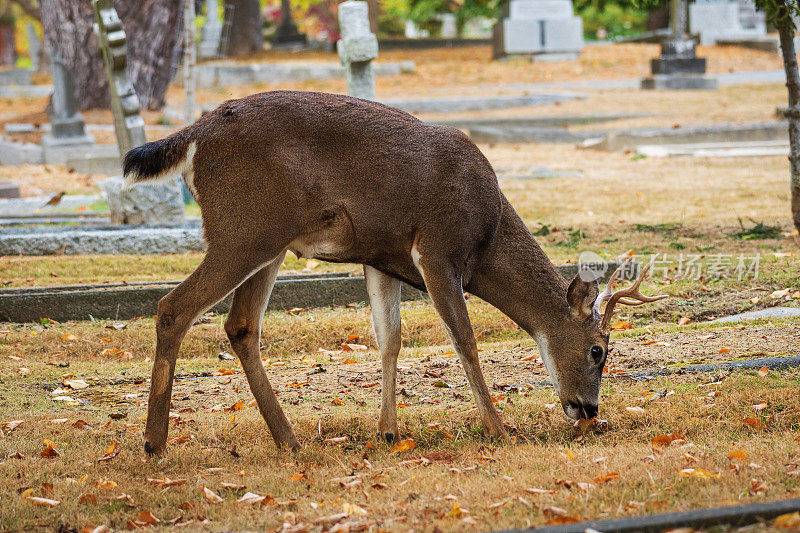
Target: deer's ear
<point x="581" y="295"/>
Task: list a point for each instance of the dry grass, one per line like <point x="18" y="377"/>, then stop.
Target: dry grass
<point x="487" y="481"/>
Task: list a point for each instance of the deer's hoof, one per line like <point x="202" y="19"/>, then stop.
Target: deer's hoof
<point x="148" y="448"/>
<point x="389" y="436"/>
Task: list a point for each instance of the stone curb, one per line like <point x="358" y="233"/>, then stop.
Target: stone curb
<point x="124" y="302"/>
<point x="736" y="516"/>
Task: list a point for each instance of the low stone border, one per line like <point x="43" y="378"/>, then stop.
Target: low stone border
<point x="547" y="121"/>
<point x="630" y="139"/>
<point x="736" y="516"/>
<point x="230" y="75"/>
<point x="456" y="105"/>
<point x="79" y="302"/>
<point x="55" y="241"/>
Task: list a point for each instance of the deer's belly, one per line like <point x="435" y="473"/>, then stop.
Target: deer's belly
<point x="330" y="237"/>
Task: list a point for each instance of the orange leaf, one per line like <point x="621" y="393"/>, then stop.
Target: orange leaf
<point x="88" y="499"/>
<point x="402" y="404"/>
<point x="299" y="476"/>
<point x="68" y="337"/>
<point x="763" y="371"/>
<point x="238" y="406"/>
<point x="147" y="518"/>
<point x="724" y="350"/>
<point x="223" y="372"/>
<point x="790" y="521"/>
<point x="666" y="440"/>
<point x="349" y="361"/>
<point x="754" y="423"/>
<point x="338" y="401"/>
<point x="353" y="338"/>
<point x="607" y="477"/>
<point x="622" y="324"/>
<point x="404" y="445"/>
<point x="42" y="502"/>
<point x="737" y="454"/>
<point x="106" y="341"/>
<point x="683" y="321"/>
<point x="48" y="452"/>
<point x="8" y="427"/>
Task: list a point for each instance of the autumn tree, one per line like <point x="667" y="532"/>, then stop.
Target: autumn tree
<point x="154" y="32"/>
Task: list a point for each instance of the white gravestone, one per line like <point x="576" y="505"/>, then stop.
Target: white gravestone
<point x="544" y="29"/>
<point x="357" y="48"/>
<point x="212" y="31"/>
<point x="717" y="20"/>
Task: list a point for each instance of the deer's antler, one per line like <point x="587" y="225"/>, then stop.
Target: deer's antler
<point x="628" y="296"/>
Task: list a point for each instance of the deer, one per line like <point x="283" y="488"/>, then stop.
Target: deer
<point x="346" y="180"/>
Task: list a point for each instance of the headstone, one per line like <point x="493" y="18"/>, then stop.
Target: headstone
<point x="9" y="189"/>
<point x="542" y="29"/>
<point x="287" y="35"/>
<point x="449" y="28"/>
<point x="67" y="126"/>
<point x="678" y="67"/>
<point x="411" y="30"/>
<point x="477" y="28"/>
<point x="34" y="45"/>
<point x="728" y="20"/>
<point x="139" y="204"/>
<point x="212" y="32"/>
<point x="357" y="48"/>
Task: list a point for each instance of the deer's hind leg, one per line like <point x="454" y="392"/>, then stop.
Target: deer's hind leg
<point x="384" y="300"/>
<point x="243" y="328"/>
<point x="221" y="271"/>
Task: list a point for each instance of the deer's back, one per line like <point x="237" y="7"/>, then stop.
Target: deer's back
<point x="363" y="174"/>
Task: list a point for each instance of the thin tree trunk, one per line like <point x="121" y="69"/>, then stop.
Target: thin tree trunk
<point x="786" y="33"/>
<point x="247" y="30"/>
<point x="154" y="31"/>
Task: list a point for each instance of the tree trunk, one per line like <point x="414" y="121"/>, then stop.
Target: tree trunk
<point x="374" y="10"/>
<point x="247" y="30"/>
<point x="786" y="33"/>
<point x="154" y="32"/>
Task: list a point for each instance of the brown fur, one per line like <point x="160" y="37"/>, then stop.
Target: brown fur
<point x="350" y="180"/>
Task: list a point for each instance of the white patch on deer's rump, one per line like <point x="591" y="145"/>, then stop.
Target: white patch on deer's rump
<point x="184" y="166"/>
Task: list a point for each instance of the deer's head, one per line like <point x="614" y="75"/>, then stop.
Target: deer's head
<point x="575" y="349"/>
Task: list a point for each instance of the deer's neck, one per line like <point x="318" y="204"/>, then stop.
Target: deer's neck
<point x="517" y="277"/>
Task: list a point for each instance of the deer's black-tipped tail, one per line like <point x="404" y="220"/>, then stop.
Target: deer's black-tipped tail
<point x="159" y="160"/>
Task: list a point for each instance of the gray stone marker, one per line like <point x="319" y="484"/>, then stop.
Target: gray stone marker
<point x="34" y="45"/>
<point x="543" y="29"/>
<point x="139" y="204"/>
<point x="67" y="124"/>
<point x="357" y="48"/>
<point x="212" y="32"/>
<point x="678" y="67"/>
<point x="723" y="19"/>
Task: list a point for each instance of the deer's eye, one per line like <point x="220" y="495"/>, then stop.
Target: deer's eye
<point x="597" y="354"/>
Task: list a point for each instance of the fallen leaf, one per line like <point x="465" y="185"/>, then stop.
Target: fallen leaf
<point x="635" y="410"/>
<point x="11" y="425"/>
<point x="42" y="502"/>
<point x="223" y="372"/>
<point x="763" y="371"/>
<point x="684" y="320"/>
<point x="700" y="473"/>
<point x="338" y="401"/>
<point x="68" y="337"/>
<point x="666" y="440"/>
<point x="251" y="498"/>
<point x="607" y="477"/>
<point x="106" y="484"/>
<point x="88" y="499"/>
<point x="621" y="325"/>
<point x="760" y="406"/>
<point x="111" y="452"/>
<point x="144" y="519"/>
<point x="567" y="454"/>
<point x="299" y="476"/>
<point x="790" y="521"/>
<point x="456" y="511"/>
<point x="48" y="452"/>
<point x="166" y="482"/>
<point x="724" y="350"/>
<point x="757" y="485"/>
<point x="404" y="445"/>
<point x="754" y="423"/>
<point x="238" y="406"/>
<point x="539" y="492"/>
<point x="739" y="455"/>
<point x="212" y="496"/>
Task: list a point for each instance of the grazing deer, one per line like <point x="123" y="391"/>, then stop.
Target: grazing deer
<point x="347" y="180"/>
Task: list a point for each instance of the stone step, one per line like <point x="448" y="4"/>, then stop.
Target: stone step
<point x="732" y="149"/>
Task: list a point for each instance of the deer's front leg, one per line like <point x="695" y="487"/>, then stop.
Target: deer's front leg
<point x="384" y="299"/>
<point x="445" y="289"/>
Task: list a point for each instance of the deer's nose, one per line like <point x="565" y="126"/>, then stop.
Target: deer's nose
<point x="585" y="410"/>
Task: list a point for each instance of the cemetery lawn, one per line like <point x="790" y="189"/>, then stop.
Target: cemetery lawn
<point x="733" y="436"/>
